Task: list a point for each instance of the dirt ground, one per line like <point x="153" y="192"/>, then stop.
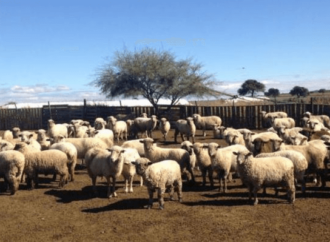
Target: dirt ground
<point x="73" y="213"/>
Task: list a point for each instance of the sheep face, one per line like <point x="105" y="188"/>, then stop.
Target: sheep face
<point x="148" y="143"/>
<point x="186" y="145"/>
<point x="242" y="157"/>
<point x="212" y="149"/>
<point x="198" y="147"/>
<point x="116" y="152"/>
<point x="141" y="165"/>
<point x="25" y="136"/>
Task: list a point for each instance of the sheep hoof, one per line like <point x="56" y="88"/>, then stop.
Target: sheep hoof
<point x="148" y="206"/>
<point x="161" y="207"/>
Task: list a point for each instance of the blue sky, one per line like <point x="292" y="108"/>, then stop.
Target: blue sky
<point x="51" y="50"/>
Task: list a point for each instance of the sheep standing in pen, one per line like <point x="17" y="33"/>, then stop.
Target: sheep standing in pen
<point x="203" y="162"/>
<point x="129" y="169"/>
<point x="223" y="161"/>
<point x="299" y="162"/>
<point x="99" y="123"/>
<point x="106" y="135"/>
<point x="71" y="152"/>
<point x="185" y="127"/>
<point x="256" y="173"/>
<point x="43" y="139"/>
<point x="188" y="146"/>
<point x="56" y="129"/>
<point x="314" y="151"/>
<point x="144" y="125"/>
<point x="159" y="176"/>
<point x="11" y="168"/>
<point x="156" y="154"/>
<point x="82" y="144"/>
<point x="283" y="122"/>
<point x="46" y="161"/>
<point x="268" y="117"/>
<point x="324" y="119"/>
<point x="164" y="127"/>
<point x="106" y="163"/>
<point x="119" y="128"/>
<point x="234" y="137"/>
<point x="135" y="144"/>
<point x="206" y="122"/>
<point x="27" y="137"/>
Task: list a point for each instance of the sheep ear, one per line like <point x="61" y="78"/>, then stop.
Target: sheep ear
<point x="235" y="153"/>
<point x="219" y="146"/>
<point x="133" y="162"/>
<point x="249" y="154"/>
<point x="31" y="135"/>
<point x="141" y="141"/>
<point x="149" y="163"/>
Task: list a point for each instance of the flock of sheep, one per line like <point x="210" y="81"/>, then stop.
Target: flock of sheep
<point x="282" y="156"/>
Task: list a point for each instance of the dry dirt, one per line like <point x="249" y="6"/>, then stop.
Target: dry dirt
<point x="73" y="213"/>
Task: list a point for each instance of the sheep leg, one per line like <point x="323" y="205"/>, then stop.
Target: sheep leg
<point x="126" y="185"/>
<point x="94" y="185"/>
<point x="71" y="169"/>
<point x="161" y="192"/>
<point x="204" y="177"/>
<point x="255" y="191"/>
<point x="171" y="192"/>
<point x="130" y="181"/>
<point x="113" y="187"/>
<point x="151" y="198"/>
<point x="176" y="135"/>
<point x="179" y="191"/>
<point x="210" y="173"/>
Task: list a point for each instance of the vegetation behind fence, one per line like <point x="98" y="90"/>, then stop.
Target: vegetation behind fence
<point x="232" y="116"/>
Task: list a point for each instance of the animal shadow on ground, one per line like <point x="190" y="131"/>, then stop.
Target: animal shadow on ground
<point x="86" y="193"/>
<point x="125" y="204"/>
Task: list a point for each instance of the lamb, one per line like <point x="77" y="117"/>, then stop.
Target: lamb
<point x="164" y="127"/>
<point x="129" y="169"/>
<point x="206" y="122"/>
<point x="299" y="162"/>
<point x="314" y="151"/>
<point x="156" y="154"/>
<point x="71" y="152"/>
<point x="11" y="168"/>
<point x="80" y="131"/>
<point x="269" y="171"/>
<point x="119" y="128"/>
<point x="43" y="139"/>
<point x="56" y="129"/>
<point x="9" y="136"/>
<point x="217" y="132"/>
<point x="203" y="162"/>
<point x="144" y="125"/>
<point x="268" y="117"/>
<point x="223" y="161"/>
<point x="46" y="161"/>
<point x="316" y="125"/>
<point x="16" y="131"/>
<point x="159" y="176"/>
<point x="107" y="163"/>
<point x="283" y="122"/>
<point x="136" y="144"/>
<point x="287" y="134"/>
<point x="6" y="145"/>
<point x="82" y="144"/>
<point x="324" y="119"/>
<point x="185" y="127"/>
<point x="188" y="146"/>
<point x="262" y="142"/>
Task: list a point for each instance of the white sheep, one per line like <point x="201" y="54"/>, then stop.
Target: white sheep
<point x="106" y="163"/>
<point x="283" y="122"/>
<point x="268" y="117"/>
<point x="104" y="134"/>
<point x="288" y="133"/>
<point x="80" y="131"/>
<point x="233" y="137"/>
<point x="82" y="144"/>
<point x="160" y="176"/>
<point x="129" y="169"/>
<point x="43" y="139"/>
<point x="71" y="152"/>
<point x="223" y="161"/>
<point x="119" y="128"/>
<point x="299" y="162"/>
<point x="144" y="125"/>
<point x="256" y="173"/>
<point x="16" y="131"/>
<point x="56" y="129"/>
<point x="316" y="125"/>
<point x="206" y="122"/>
<point x="135" y="144"/>
<point x="203" y="162"/>
<point x="324" y="119"/>
<point x="185" y="127"/>
<point x="156" y="154"/>
<point x="188" y="146"/>
<point x="8" y="136"/>
<point x="164" y="127"/>
<point x="11" y="168"/>
<point x="99" y="123"/>
<point x="46" y="161"/>
<point x="27" y="137"/>
<point x="314" y="151"/>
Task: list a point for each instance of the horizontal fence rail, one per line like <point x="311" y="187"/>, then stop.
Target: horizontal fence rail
<point x="232" y="116"/>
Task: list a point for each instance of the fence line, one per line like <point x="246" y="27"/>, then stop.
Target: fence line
<point x="232" y="116"/>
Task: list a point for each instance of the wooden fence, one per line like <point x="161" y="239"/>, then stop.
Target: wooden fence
<point x="232" y="116"/>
